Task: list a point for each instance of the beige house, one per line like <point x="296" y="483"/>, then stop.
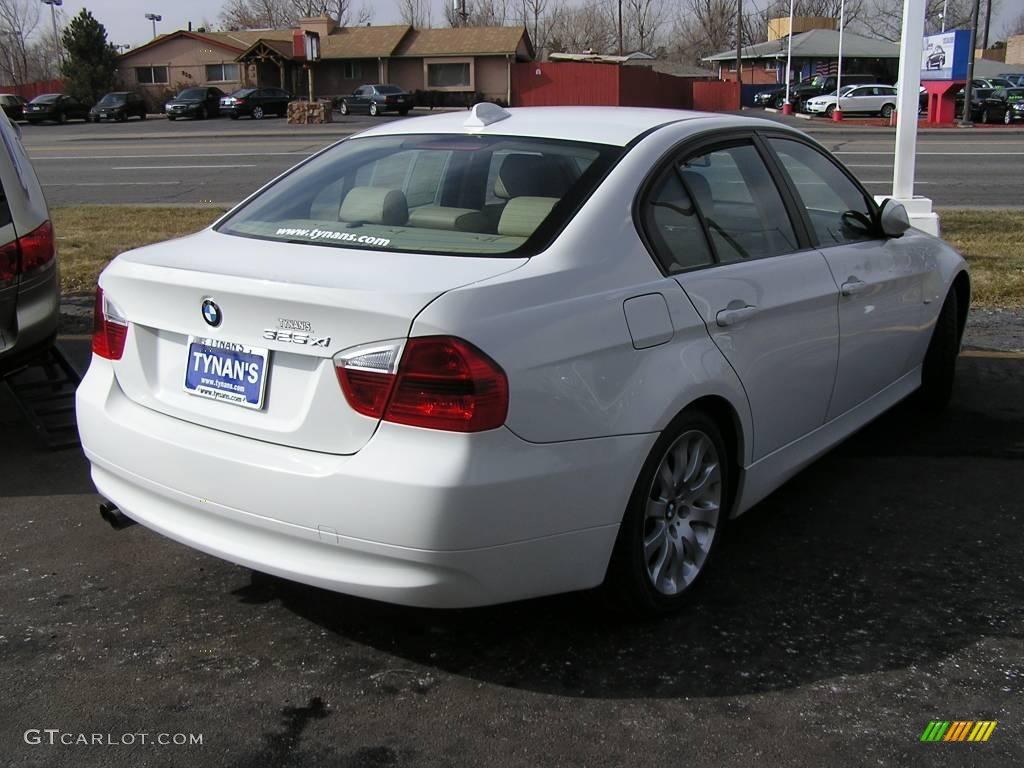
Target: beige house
<point x="445" y="63"/>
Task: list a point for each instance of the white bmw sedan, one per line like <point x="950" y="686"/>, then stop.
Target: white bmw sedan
<point x="479" y="357"/>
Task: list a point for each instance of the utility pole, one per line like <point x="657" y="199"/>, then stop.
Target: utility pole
<point x="965" y="120"/>
<point x="53" y="16"/>
<point x="153" y="17"/>
<point x="621" y="50"/>
<point x="988" y="23"/>
<point x="739" y="47"/>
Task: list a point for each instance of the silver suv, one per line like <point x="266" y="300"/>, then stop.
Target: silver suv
<point x="29" y="284"/>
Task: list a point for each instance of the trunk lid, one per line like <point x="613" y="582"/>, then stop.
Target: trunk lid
<point x="349" y="297"/>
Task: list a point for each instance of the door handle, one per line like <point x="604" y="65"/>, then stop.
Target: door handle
<point x="852" y="287"/>
<point x="727" y="317"/>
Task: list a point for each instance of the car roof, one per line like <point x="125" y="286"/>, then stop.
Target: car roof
<point x="598" y="125"/>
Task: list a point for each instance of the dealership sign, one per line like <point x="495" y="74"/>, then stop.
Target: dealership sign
<point x="944" y="56"/>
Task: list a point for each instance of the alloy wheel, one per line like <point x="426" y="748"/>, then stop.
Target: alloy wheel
<point x="682" y="511"/>
<point x="257" y="113"/>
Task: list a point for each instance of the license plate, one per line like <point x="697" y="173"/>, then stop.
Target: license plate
<point x="225" y="371"/>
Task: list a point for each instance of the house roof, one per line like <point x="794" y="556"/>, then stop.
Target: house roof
<point x="368" y="42"/>
<point x="464" y="41"/>
<point x="211" y="38"/>
<point x="362" y="42"/>
<point x="816" y="44"/>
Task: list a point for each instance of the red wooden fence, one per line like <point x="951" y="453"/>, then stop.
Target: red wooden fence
<point x="716" y="96"/>
<point x="561" y="83"/>
<point x="31" y="90"/>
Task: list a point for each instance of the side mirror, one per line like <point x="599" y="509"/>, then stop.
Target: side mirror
<point x="894" y="219"/>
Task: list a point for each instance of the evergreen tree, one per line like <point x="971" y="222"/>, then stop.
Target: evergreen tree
<point x="90" y="62"/>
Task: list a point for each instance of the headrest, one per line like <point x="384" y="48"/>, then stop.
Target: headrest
<point x="534" y="175"/>
<point x="522" y="215"/>
<point x="374" y="205"/>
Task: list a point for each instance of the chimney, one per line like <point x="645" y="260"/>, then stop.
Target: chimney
<point x="322" y="25"/>
<point x="190" y="26"/>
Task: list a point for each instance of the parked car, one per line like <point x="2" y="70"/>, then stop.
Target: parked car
<point x="857" y="99"/>
<point x="55" y="107"/>
<point x="256" y="102"/>
<point x="431" y="366"/>
<point x="13" y="106"/>
<point x="1003" y="105"/>
<point x="119" y="105"/>
<point x="199" y="103"/>
<point x="374" y="99"/>
<point x="978" y="96"/>
<point x="29" y="288"/>
<point x="808" y="88"/>
<point x="936" y="59"/>
<point x="1016" y="79"/>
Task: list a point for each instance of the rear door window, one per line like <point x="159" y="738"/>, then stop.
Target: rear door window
<point x="741" y="207"/>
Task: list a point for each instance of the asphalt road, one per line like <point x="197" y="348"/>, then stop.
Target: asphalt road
<point x="879" y="590"/>
<point x="222" y="161"/>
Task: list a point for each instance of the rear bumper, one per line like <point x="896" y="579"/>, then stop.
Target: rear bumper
<point x="32" y="326"/>
<point x="417" y="517"/>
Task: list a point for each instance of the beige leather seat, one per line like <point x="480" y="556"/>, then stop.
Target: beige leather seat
<point x="374" y="205"/>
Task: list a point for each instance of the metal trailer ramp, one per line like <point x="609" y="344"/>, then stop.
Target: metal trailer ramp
<point x="44" y="391"/>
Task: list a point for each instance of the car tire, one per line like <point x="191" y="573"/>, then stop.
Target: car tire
<point x="403" y="112"/>
<point x="343" y="108"/>
<point x="1008" y="118"/>
<point x="939" y="368"/>
<point x="887" y="110"/>
<point x="33" y="122"/>
<point x="830" y="110"/>
<point x="171" y="118"/>
<point x="62" y="118"/>
<point x="373" y="109"/>
<point x="257" y="113"/>
<point x="142" y="116"/>
<point x="657" y="545"/>
<point x="984" y="115"/>
<point x="234" y="115"/>
<point x="122" y="119"/>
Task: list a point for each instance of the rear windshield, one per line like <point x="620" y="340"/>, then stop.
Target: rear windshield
<point x="388" y="89"/>
<point x="193" y="93"/>
<point x="442" y="194"/>
<point x="48" y="98"/>
<point x="112" y="98"/>
<point x="243" y="92"/>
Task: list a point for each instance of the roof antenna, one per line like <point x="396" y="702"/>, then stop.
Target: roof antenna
<point x="484" y="114"/>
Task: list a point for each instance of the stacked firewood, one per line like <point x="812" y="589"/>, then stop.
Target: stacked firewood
<point x="305" y="112"/>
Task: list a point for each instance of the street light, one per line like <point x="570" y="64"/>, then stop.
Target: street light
<point x="154" y="17"/>
<point x="54" y="4"/>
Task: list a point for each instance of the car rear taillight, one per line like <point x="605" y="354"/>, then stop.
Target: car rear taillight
<point x="109" y="329"/>
<point x="28" y="253"/>
<point x="442" y="382"/>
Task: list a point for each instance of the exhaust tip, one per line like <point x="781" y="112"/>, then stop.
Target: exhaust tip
<point x="117" y="519"/>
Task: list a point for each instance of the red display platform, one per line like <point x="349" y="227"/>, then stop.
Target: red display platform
<point x="942" y="99"/>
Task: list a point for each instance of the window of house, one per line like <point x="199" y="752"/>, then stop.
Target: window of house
<point x="351" y="70"/>
<point x="151" y="75"/>
<point x="450" y="74"/>
<point x="221" y="73"/>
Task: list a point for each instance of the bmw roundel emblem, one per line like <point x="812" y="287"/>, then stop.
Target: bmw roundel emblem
<point x="211" y="313"/>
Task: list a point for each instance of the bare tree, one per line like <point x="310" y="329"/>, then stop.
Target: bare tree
<point x="583" y="27"/>
<point x="642" y="20"/>
<point x="416" y="13"/>
<point x="1014" y="27"/>
<point x="479" y="13"/>
<point x="886" y="16"/>
<point x="18" y="20"/>
<point x="257" y="14"/>
<point x="343" y="12"/>
<point x="703" y="27"/>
